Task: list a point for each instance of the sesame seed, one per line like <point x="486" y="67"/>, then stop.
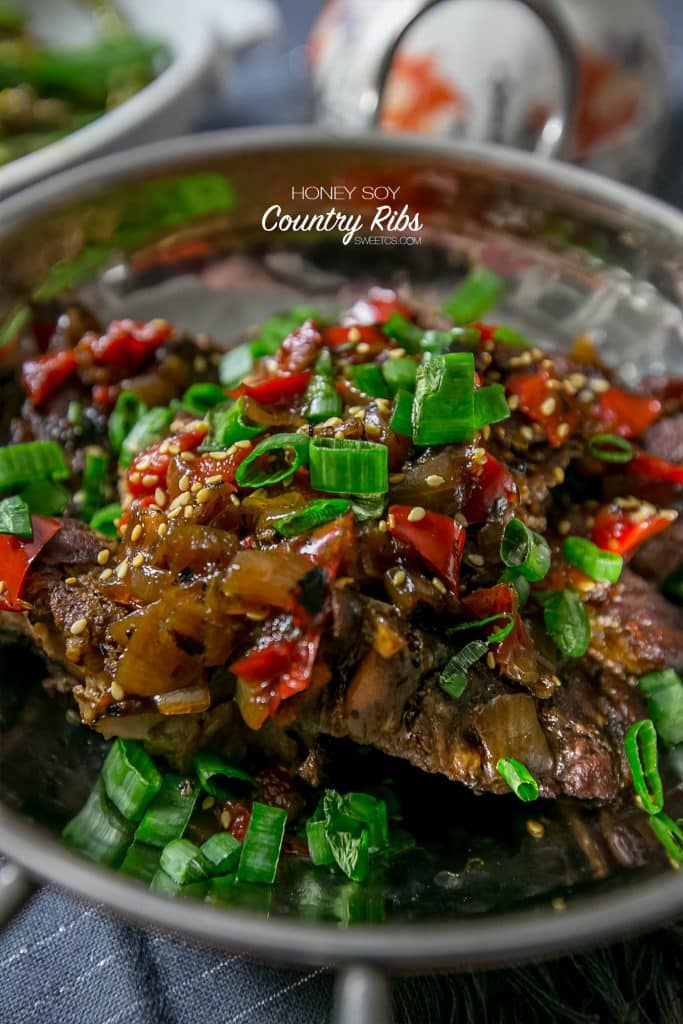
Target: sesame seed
<point x="558" y="903"/>
<point x="461" y="519"/>
<point x="513" y="402"/>
<point x="215" y="479"/>
<point x="134" y="477"/>
<point x="536" y="353"/>
<point x="199" y="364"/>
<point x="163" y="448"/>
<point x="117" y="692"/>
<point x="188" y="511"/>
<point x="382" y="526"/>
<point x="491" y="660"/>
<point x="669" y="513"/>
<point x="558" y="474"/>
<point x="535" y="829"/>
<point x="160" y="497"/>
<point x="162" y="529"/>
<point x="416" y="514"/>
<point x="438" y="585"/>
<point x="203" y="495"/>
<point x="3" y="586"/>
<point x="144" y="462"/>
<point x="196" y="488"/>
<point x="106" y="574"/>
<point x="577" y="380"/>
<point x="548" y="406"/>
<point x="184" y="483"/>
<point x="190" y="456"/>
<point x="242" y="444"/>
<point x="479" y="455"/>
<point x="399" y="577"/>
<point x="563" y="527"/>
<point x="396" y="353"/>
<point x="563" y="431"/>
<point x="226" y="819"/>
<point x="219" y="456"/>
<point x="396" y="478"/>
<point x="175" y="512"/>
<point x="235" y="500"/>
<point x="150" y="480"/>
<point x="138" y="560"/>
<point x="180" y="500"/>
<point x="196" y="427"/>
<point x="77" y="627"/>
<point x="475" y="559"/>
<point x="547" y="364"/>
<point x="358" y="414"/>
<point x="207" y="803"/>
<point x="434" y="480"/>
<point x="70" y="580"/>
<point x="334" y="421"/>
<point x="600" y="386"/>
<point x="391" y="521"/>
<point x="527" y="433"/>
<point x="363" y="348"/>
<point x="103" y="556"/>
<point x="586" y="395"/>
<point x="122" y="569"/>
<point x="136" y="533"/>
<point x="585" y="586"/>
<point x="174" y="449"/>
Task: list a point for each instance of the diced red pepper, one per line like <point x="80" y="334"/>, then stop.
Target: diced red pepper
<point x="262" y="665"/>
<point x="437" y="538"/>
<point x="126" y="345"/>
<point x="626" y="414"/>
<point x="300" y="348"/>
<point x="488" y="485"/>
<point x="560" y="419"/>
<point x="335" y="337"/>
<point x="623" y="530"/>
<point x="16" y="555"/>
<point x="275" y="390"/>
<point x="329" y="545"/>
<point x="377" y="307"/>
<point x="518" y="648"/>
<point x="44" y="375"/>
<point x="148" y="469"/>
<point x="644" y="464"/>
<point x="273" y="673"/>
<point x="105" y="394"/>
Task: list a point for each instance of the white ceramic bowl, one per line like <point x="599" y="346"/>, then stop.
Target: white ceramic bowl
<point x="201" y="34"/>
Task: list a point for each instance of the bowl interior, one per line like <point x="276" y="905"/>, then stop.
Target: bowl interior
<point x="179" y="234"/>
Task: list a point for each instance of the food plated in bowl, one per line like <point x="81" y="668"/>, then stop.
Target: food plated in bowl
<point x="387" y="545"/>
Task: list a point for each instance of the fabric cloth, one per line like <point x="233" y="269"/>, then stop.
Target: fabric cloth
<point x="62" y="962"/>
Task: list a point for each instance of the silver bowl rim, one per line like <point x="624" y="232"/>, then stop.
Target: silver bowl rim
<point x="488" y="941"/>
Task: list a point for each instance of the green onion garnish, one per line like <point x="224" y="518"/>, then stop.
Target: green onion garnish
<point x="401" y="421"/>
<point x="316" y="513"/>
<point x="228" y="424"/>
<point x="151" y="427"/>
<point x="369" y="379"/>
<point x="15" y="517"/>
<point x="641" y="750"/>
<point x="141" y="861"/>
<point x="321" y="399"/>
<point x="604" y="566"/>
<point x="672" y="587"/>
<point x="509" y="336"/>
<point x="215" y="774"/>
<point x="125" y="414"/>
<point x="94" y="480"/>
<point x="46" y="497"/>
<point x="341" y="466"/>
<point x="74" y="414"/>
<point x="260" y="851"/>
<point x="106" y="519"/>
<point x="350" y="846"/>
<point x="167" y="816"/>
<point x="520" y="583"/>
<point x="366" y="507"/>
<point x="416" y="339"/>
<point x="610" y="448"/>
<point x="490" y="405"/>
<point x="23" y="464"/>
<point x="664" y="692"/>
<point x="453" y="678"/>
<point x="287" y="452"/>
<point x="407" y="334"/>
<point x="235" y="365"/>
<point x="164" y="885"/>
<point x="567" y="622"/>
<point x="480" y="290"/>
<point x="319" y="849"/>
<point x="98" y="831"/>
<point x="201" y="397"/>
<point x="498" y="636"/>
<point x="525" y="551"/>
<point x="183" y="862"/>
<point x="131" y="779"/>
<point x="400" y="374"/>
<point x="221" y="852"/>
<point x="443" y="408"/>
<point x="670" y="835"/>
<point x="519" y="778"/>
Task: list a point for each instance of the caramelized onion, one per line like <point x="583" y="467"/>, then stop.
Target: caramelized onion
<point x="508" y="726"/>
<point x="264" y="578"/>
<point x="186" y="701"/>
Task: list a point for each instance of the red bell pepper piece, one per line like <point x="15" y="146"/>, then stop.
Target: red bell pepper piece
<point x="148" y="469"/>
<point x="300" y="348"/>
<point x="276" y="671"/>
<point x="16" y="555"/>
<point x="377" y="307"/>
<point x="262" y="665"/>
<point x="329" y="545"/>
<point x="281" y="388"/>
<point x="44" y="375"/>
<point x="105" y="394"/>
<point x="644" y="464"/>
<point x="626" y="414"/>
<point x="126" y="345"/>
<point x="533" y="392"/>
<point x="488" y="483"/>
<point x="623" y="530"/>
<point x="437" y="538"/>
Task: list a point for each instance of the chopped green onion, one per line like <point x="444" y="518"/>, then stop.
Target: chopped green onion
<point x="15" y="517"/>
<point x="98" y="831"/>
<point x="672" y="587"/>
<point x="228" y="424"/>
<point x="519" y="778"/>
<point x="324" y="365"/>
<point x="567" y="622"/>
<point x="151" y="427"/>
<point x="46" y="497"/>
<point x="368" y="506"/>
<point x="525" y="551"/>
<point x="407" y="334"/>
<point x="373" y="813"/>
<point x="141" y="861"/>
<point x="664" y="692"/>
<point x="494" y="638"/>
<point x="480" y="290"/>
<point x="289" y="451"/>
<point x="164" y="885"/>
<point x="201" y="397"/>
<point x="416" y="339"/>
<point x="23" y="464"/>
<point x="604" y="566"/>
<point x="610" y="448"/>
<point x="275" y="329"/>
<point x="443" y="408"/>
<point x="125" y="414"/>
<point x="322" y="510"/>
<point x="169" y="812"/>
<point x="341" y="466"/>
<point x="183" y="862"/>
<point x="520" y="583"/>
<point x="439" y="342"/>
<point x="369" y="379"/>
<point x="511" y="337"/>
<point x="490" y="405"/>
<point x="235" y="365"/>
<point x="74" y="414"/>
<point x="401" y="421"/>
<point x="131" y="779"/>
<point x="641" y="751"/>
<point x="670" y="835"/>
<point x="260" y="851"/>
<point x="400" y="374"/>
<point x="318" y="847"/>
<point x="94" y="480"/>
<point x="213" y="772"/>
<point x="453" y="678"/>
<point x="321" y="399"/>
<point x="222" y="852"/>
<point x="106" y="520"/>
<point x="350" y="846"/>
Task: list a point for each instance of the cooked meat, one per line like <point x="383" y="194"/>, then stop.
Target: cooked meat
<point x="665" y="438"/>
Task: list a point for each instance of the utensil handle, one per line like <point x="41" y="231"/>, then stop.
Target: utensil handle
<point x="362" y="995"/>
<point x="15" y="892"/>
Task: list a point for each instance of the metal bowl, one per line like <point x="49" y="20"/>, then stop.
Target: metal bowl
<point x="176" y="229"/>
